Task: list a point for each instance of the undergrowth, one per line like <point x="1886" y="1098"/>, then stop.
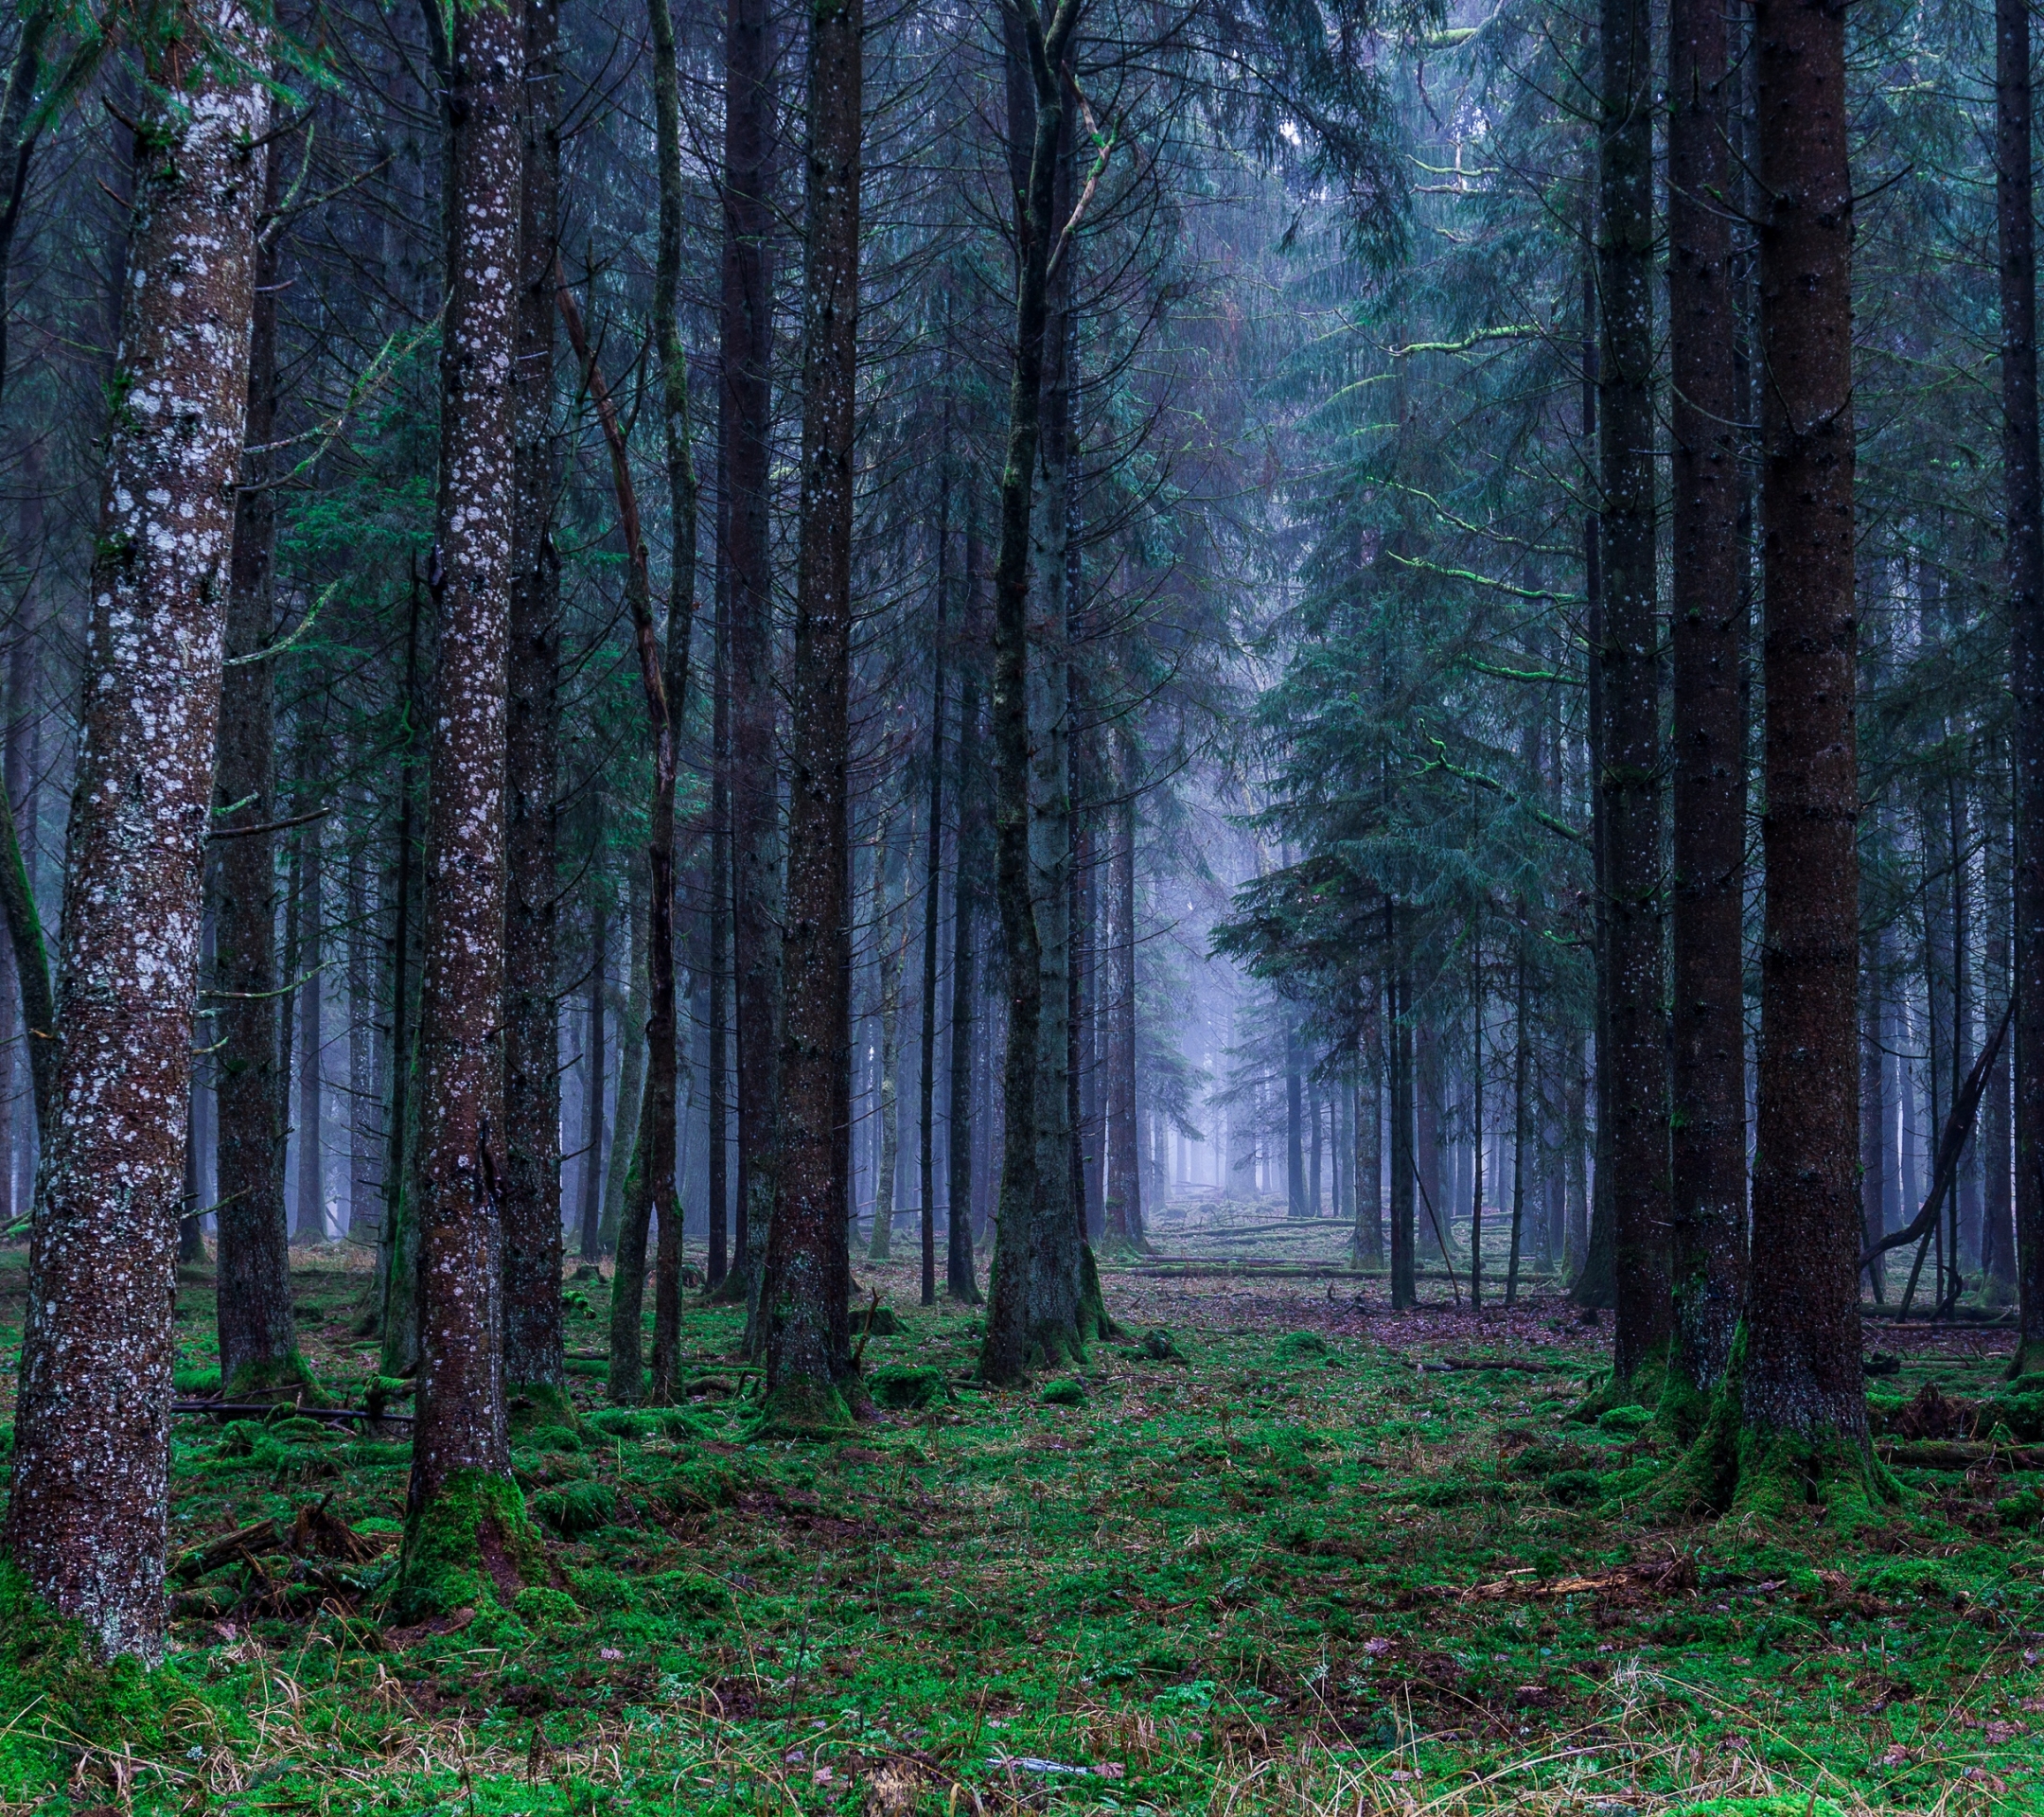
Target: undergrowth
<point x="1267" y="1552"/>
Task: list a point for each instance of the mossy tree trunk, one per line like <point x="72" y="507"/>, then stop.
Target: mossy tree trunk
<point x="86" y="1518"/>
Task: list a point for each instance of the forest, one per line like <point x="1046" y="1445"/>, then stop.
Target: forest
<point x="1087" y="906"/>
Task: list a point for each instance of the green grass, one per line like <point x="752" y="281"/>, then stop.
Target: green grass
<point x="1284" y="1574"/>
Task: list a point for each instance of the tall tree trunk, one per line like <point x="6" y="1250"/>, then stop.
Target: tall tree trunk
<point x="30" y="959"/>
<point x="808" y="1279"/>
<point x="258" y="1341"/>
<point x="1707" y="1232"/>
<point x="1802" y="1401"/>
<point x="1873" y="1113"/>
<point x="746" y="428"/>
<point x="90" y="1492"/>
<point x="1476" y="1142"/>
<point x="629" y="1018"/>
<point x="932" y="893"/>
<point x="891" y="934"/>
<point x="27" y="967"/>
<point x="1404" y="1171"/>
<point x="960" y="1279"/>
<point x="535" y="1377"/>
<point x="462" y="1507"/>
<point x="1632" y="1075"/>
<point x="364" y="1176"/>
<point x="1998" y="1232"/>
<point x="662" y="1185"/>
<point x="589" y="1245"/>
<point x="398" y="1254"/>
<point x="1367" y="1243"/>
<point x="1522" y="1098"/>
<point x="2024" y="507"/>
<point x="1295" y="1161"/>
<point x="310" y="1220"/>
<point x="1593" y="1258"/>
<point x="1018" y="1271"/>
<point x="721" y="918"/>
<point x="1124" y="1175"/>
<point x="1061" y="1314"/>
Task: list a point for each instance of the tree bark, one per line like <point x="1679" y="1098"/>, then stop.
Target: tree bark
<point x="1124" y="1205"/>
<point x="461" y="1488"/>
<point x="535" y="1364"/>
<point x="629" y="1018"/>
<point x="746" y="427"/>
<point x="258" y="1343"/>
<point x="310" y="1220"/>
<point x="589" y="1243"/>
<point x="1633" y="1074"/>
<point x="960" y="1276"/>
<point x="1997" y="1234"/>
<point x="891" y="934"/>
<point x="366" y="1178"/>
<point x="2024" y="505"/>
<point x="808" y="1279"/>
<point x="397" y="1256"/>
<point x="1404" y="1173"/>
<point x="1803" y="1403"/>
<point x="663" y="1184"/>
<point x="721" y="918"/>
<point x="1005" y="1353"/>
<point x="1707" y="1248"/>
<point x="932" y="893"/>
<point x="90" y="1493"/>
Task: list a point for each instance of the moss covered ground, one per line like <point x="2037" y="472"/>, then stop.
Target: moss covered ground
<point x="1295" y="1554"/>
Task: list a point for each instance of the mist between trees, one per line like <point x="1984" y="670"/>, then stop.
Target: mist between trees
<point x="712" y="670"/>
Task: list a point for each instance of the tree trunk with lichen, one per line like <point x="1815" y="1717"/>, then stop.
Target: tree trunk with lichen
<point x="465" y="1529"/>
<point x="90" y="1493"/>
<point x="535" y="1364"/>
<point x="808" y="1279"/>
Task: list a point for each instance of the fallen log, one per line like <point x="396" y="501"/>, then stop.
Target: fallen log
<point x="1959" y="1453"/>
<point x="263" y="1409"/>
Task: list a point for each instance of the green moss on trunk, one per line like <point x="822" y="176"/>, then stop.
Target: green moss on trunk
<point x="1737" y="1469"/>
<point x="50" y="1671"/>
<point x="283" y="1375"/>
<point x="802" y="1408"/>
<point x="540" y="1403"/>
<point x="472" y="1545"/>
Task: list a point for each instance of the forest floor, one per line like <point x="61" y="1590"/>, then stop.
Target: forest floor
<point x="1320" y="1564"/>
